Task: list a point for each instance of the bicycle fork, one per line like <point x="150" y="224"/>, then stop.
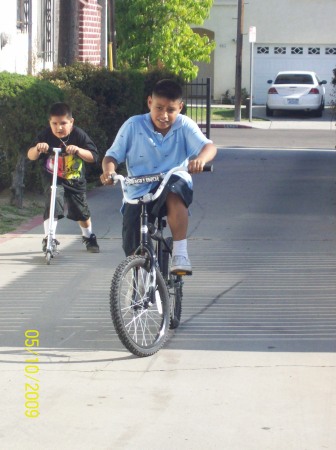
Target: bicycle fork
<point x="153" y="296"/>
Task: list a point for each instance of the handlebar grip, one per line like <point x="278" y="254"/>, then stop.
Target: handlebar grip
<point x="208" y="167"/>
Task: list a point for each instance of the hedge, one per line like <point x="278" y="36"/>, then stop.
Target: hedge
<point x="101" y="101"/>
<point x="24" y="102"/>
<point x="118" y="94"/>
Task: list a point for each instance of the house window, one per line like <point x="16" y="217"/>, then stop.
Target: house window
<point x="279" y="50"/>
<point x="22" y="15"/>
<point x="297" y="50"/>
<point x="313" y="51"/>
<point x="263" y="50"/>
<point x="330" y="51"/>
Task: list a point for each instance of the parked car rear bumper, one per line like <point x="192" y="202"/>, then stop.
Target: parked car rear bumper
<point x="312" y="102"/>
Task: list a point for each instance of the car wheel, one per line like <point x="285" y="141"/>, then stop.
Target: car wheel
<point x="269" y="112"/>
<point x="319" y="111"/>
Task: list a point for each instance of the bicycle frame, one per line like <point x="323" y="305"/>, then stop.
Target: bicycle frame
<point x="147" y="198"/>
<point x="145" y="247"/>
<point x="146" y="296"/>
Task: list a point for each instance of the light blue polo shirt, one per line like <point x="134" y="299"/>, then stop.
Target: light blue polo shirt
<point x="146" y="151"/>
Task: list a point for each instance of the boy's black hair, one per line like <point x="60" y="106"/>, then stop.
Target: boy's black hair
<point x="60" y="109"/>
<point x="169" y="89"/>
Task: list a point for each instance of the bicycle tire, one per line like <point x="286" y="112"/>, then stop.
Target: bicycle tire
<point x="142" y="329"/>
<point x="174" y="286"/>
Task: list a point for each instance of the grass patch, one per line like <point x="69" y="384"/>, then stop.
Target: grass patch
<point x="12" y="217"/>
<point x="217" y="114"/>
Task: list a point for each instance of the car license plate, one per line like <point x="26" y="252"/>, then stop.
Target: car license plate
<point x="293" y="101"/>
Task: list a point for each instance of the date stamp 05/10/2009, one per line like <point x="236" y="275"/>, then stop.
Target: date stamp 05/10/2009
<point x="31" y="371"/>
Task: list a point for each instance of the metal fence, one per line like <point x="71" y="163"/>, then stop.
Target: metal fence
<point x="197" y="98"/>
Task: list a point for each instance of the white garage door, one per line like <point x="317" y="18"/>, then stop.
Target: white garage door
<point x="271" y="59"/>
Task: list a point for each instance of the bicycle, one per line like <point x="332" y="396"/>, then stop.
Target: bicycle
<point x="51" y="248"/>
<point x="145" y="297"/>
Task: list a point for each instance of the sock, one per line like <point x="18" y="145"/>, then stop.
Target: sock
<point x="180" y="248"/>
<point x="86" y="232"/>
<point x="46" y="228"/>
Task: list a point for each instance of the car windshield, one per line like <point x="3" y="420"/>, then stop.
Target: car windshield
<point x="294" y="78"/>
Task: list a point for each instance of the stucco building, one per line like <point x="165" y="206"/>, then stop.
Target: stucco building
<point x="290" y="35"/>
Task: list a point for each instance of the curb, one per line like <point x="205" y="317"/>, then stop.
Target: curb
<point x="22" y="229"/>
<point x="231" y="125"/>
<point x="29" y="225"/>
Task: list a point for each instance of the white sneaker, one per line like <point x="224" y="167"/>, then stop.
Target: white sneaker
<point x="181" y="265"/>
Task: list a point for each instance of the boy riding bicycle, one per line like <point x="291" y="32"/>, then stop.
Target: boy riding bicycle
<point x="153" y="143"/>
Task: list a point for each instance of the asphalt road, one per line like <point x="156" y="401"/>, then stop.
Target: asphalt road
<point x="252" y="366"/>
<point x="245" y="137"/>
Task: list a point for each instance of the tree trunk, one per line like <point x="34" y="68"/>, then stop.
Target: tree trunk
<point x="68" y="32"/>
<point x="17" y="182"/>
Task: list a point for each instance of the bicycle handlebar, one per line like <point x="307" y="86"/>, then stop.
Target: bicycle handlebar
<point x="150" y="197"/>
<point x="208" y="167"/>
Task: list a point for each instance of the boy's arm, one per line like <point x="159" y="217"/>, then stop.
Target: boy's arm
<point x="109" y="167"/>
<point x="207" y="154"/>
<point x="85" y="155"/>
<point x="34" y="152"/>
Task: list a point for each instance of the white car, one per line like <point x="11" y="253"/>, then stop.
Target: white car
<point x="296" y="90"/>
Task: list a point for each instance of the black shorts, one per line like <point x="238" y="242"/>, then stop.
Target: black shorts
<point x="131" y="213"/>
<point x="78" y="208"/>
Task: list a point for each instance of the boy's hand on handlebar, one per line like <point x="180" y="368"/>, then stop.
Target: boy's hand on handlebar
<point x="72" y="149"/>
<point x="42" y="147"/>
<point x="107" y="178"/>
<point x="196" y="165"/>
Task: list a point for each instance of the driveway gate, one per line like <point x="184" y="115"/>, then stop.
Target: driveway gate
<point x="197" y="98"/>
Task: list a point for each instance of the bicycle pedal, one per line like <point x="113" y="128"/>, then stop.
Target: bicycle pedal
<point x="181" y="273"/>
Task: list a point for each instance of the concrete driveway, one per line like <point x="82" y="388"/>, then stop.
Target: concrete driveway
<point x="252" y="365"/>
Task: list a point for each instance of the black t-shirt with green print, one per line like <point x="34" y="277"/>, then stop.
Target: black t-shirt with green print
<point x="71" y="168"/>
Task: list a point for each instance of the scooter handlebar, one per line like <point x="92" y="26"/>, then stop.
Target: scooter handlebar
<point x="52" y="150"/>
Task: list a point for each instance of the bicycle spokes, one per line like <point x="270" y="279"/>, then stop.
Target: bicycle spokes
<point x="139" y="307"/>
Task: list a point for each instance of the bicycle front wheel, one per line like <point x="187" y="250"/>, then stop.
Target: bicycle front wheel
<point x="140" y="313"/>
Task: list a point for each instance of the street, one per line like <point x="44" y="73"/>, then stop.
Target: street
<point x="245" y="137"/>
<point x="252" y="365"/>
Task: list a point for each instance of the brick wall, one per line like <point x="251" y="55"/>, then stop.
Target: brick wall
<point x="89" y="37"/>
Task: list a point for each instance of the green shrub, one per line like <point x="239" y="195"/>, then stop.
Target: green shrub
<point x="118" y="94"/>
<point x="72" y="75"/>
<point x="101" y="101"/>
<point x="85" y="113"/>
<point x="24" y="105"/>
<point x="11" y="84"/>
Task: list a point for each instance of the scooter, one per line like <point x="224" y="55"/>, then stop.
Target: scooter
<point x="51" y="249"/>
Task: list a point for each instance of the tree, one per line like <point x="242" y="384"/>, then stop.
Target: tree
<point x="158" y="33"/>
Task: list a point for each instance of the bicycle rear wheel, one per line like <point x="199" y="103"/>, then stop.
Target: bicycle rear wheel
<point x="141" y="326"/>
<point x="174" y="286"/>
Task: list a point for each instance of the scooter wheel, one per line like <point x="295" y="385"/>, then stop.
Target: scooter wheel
<point x="48" y="257"/>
